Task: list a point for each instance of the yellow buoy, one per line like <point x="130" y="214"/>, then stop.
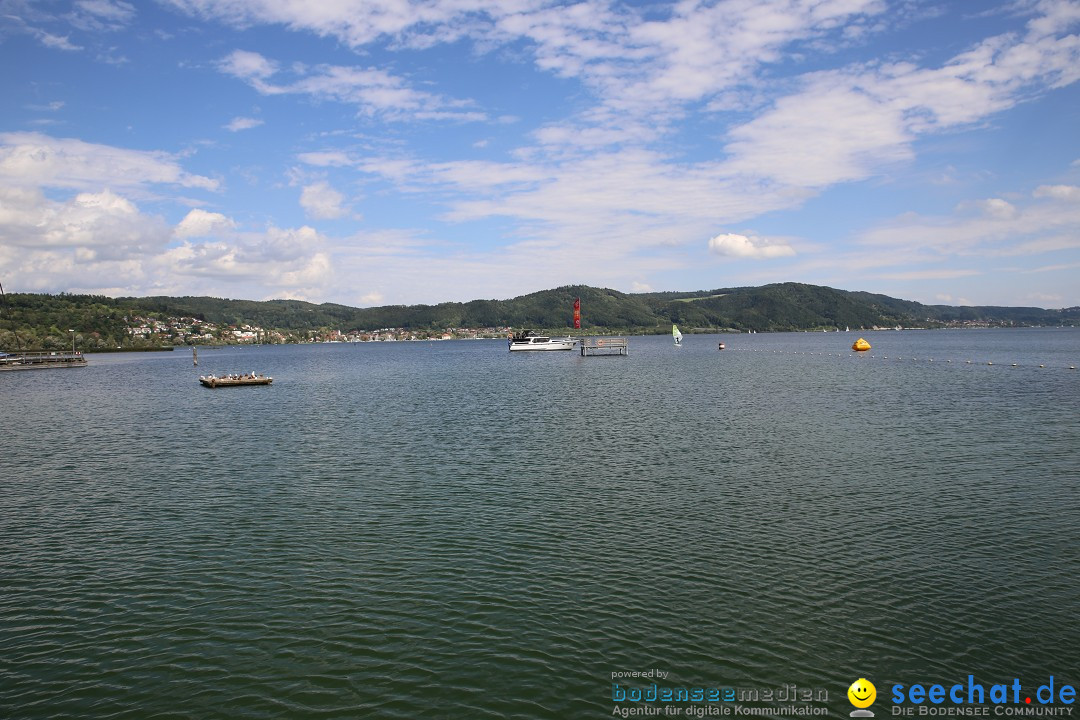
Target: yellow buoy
<point x="860" y="345"/>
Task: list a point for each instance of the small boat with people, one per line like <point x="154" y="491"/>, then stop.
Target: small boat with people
<point x="528" y="340"/>
<point x="213" y="381"/>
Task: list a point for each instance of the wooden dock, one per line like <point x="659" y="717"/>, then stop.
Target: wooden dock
<point x="41" y="360"/>
<point x="604" y="346"/>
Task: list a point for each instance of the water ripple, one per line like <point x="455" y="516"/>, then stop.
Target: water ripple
<point x="449" y="531"/>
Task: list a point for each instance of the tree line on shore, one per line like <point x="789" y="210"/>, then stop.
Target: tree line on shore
<point x="43" y="321"/>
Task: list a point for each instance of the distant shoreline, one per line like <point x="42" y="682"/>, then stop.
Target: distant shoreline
<point x="99" y="351"/>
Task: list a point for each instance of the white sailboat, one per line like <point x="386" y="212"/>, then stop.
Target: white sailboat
<point x="676" y="334"/>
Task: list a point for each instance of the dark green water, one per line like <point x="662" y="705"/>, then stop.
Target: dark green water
<point x="448" y="530"/>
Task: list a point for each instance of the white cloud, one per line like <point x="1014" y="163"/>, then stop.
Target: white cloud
<point x="247" y="65"/>
<point x="102" y="242"/>
<point x="92" y="226"/>
<point x="34" y="159"/>
<point x="607" y="206"/>
<point x="610" y="188"/>
<point x="101" y="15"/>
<point x="851" y="124"/>
<point x="373" y="298"/>
<point x="702" y="49"/>
<point x="47" y="107"/>
<point x="1054" y="268"/>
<point x="999" y="229"/>
<point x="57" y="42"/>
<point x="997" y="208"/>
<point x="1068" y="193"/>
<point x="635" y="63"/>
<point x="280" y="262"/>
<point x="243" y="123"/>
<point x="824" y="135"/>
<point x="330" y="158"/>
<point x="321" y="201"/>
<point x="374" y="91"/>
<point x="355" y="24"/>
<point x="742" y="246"/>
<point x="835" y="127"/>
<point x="199" y="223"/>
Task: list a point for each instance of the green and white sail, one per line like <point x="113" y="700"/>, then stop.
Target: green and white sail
<point x="676" y="334"/>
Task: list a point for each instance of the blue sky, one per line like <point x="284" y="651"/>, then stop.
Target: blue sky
<point x="397" y="152"/>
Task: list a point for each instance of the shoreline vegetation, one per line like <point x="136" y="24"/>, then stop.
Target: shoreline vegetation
<point x="102" y="324"/>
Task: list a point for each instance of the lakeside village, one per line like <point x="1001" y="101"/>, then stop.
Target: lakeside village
<point x="192" y="331"/>
<point x="179" y="331"/>
<point x="141" y="332"/>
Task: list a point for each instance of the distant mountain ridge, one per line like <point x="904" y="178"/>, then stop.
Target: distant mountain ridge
<point x="768" y="308"/>
<point x="775" y="307"/>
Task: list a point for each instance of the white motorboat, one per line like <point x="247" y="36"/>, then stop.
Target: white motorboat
<point x="530" y="341"/>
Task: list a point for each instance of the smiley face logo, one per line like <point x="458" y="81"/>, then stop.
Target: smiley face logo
<point x="862" y="693"/>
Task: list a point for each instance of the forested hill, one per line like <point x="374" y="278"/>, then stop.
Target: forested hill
<point x="45" y="320"/>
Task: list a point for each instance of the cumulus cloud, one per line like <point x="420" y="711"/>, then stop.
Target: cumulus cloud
<point x="247" y="65"/>
<point x="1069" y="193"/>
<point x="279" y="262"/>
<point x="103" y="242"/>
<point x="242" y="123"/>
<point x="742" y="246"/>
<point x="34" y="159"/>
<point x="323" y="202"/>
<point x="200" y="223"/>
<point x="997" y="208"/>
<point x="102" y="225"/>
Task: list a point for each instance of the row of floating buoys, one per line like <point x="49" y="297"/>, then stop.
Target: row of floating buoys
<point x="885" y="357"/>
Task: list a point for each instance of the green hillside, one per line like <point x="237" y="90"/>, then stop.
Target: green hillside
<point x="34" y="321"/>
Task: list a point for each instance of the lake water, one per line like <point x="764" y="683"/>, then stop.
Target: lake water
<point x="449" y="530"/>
